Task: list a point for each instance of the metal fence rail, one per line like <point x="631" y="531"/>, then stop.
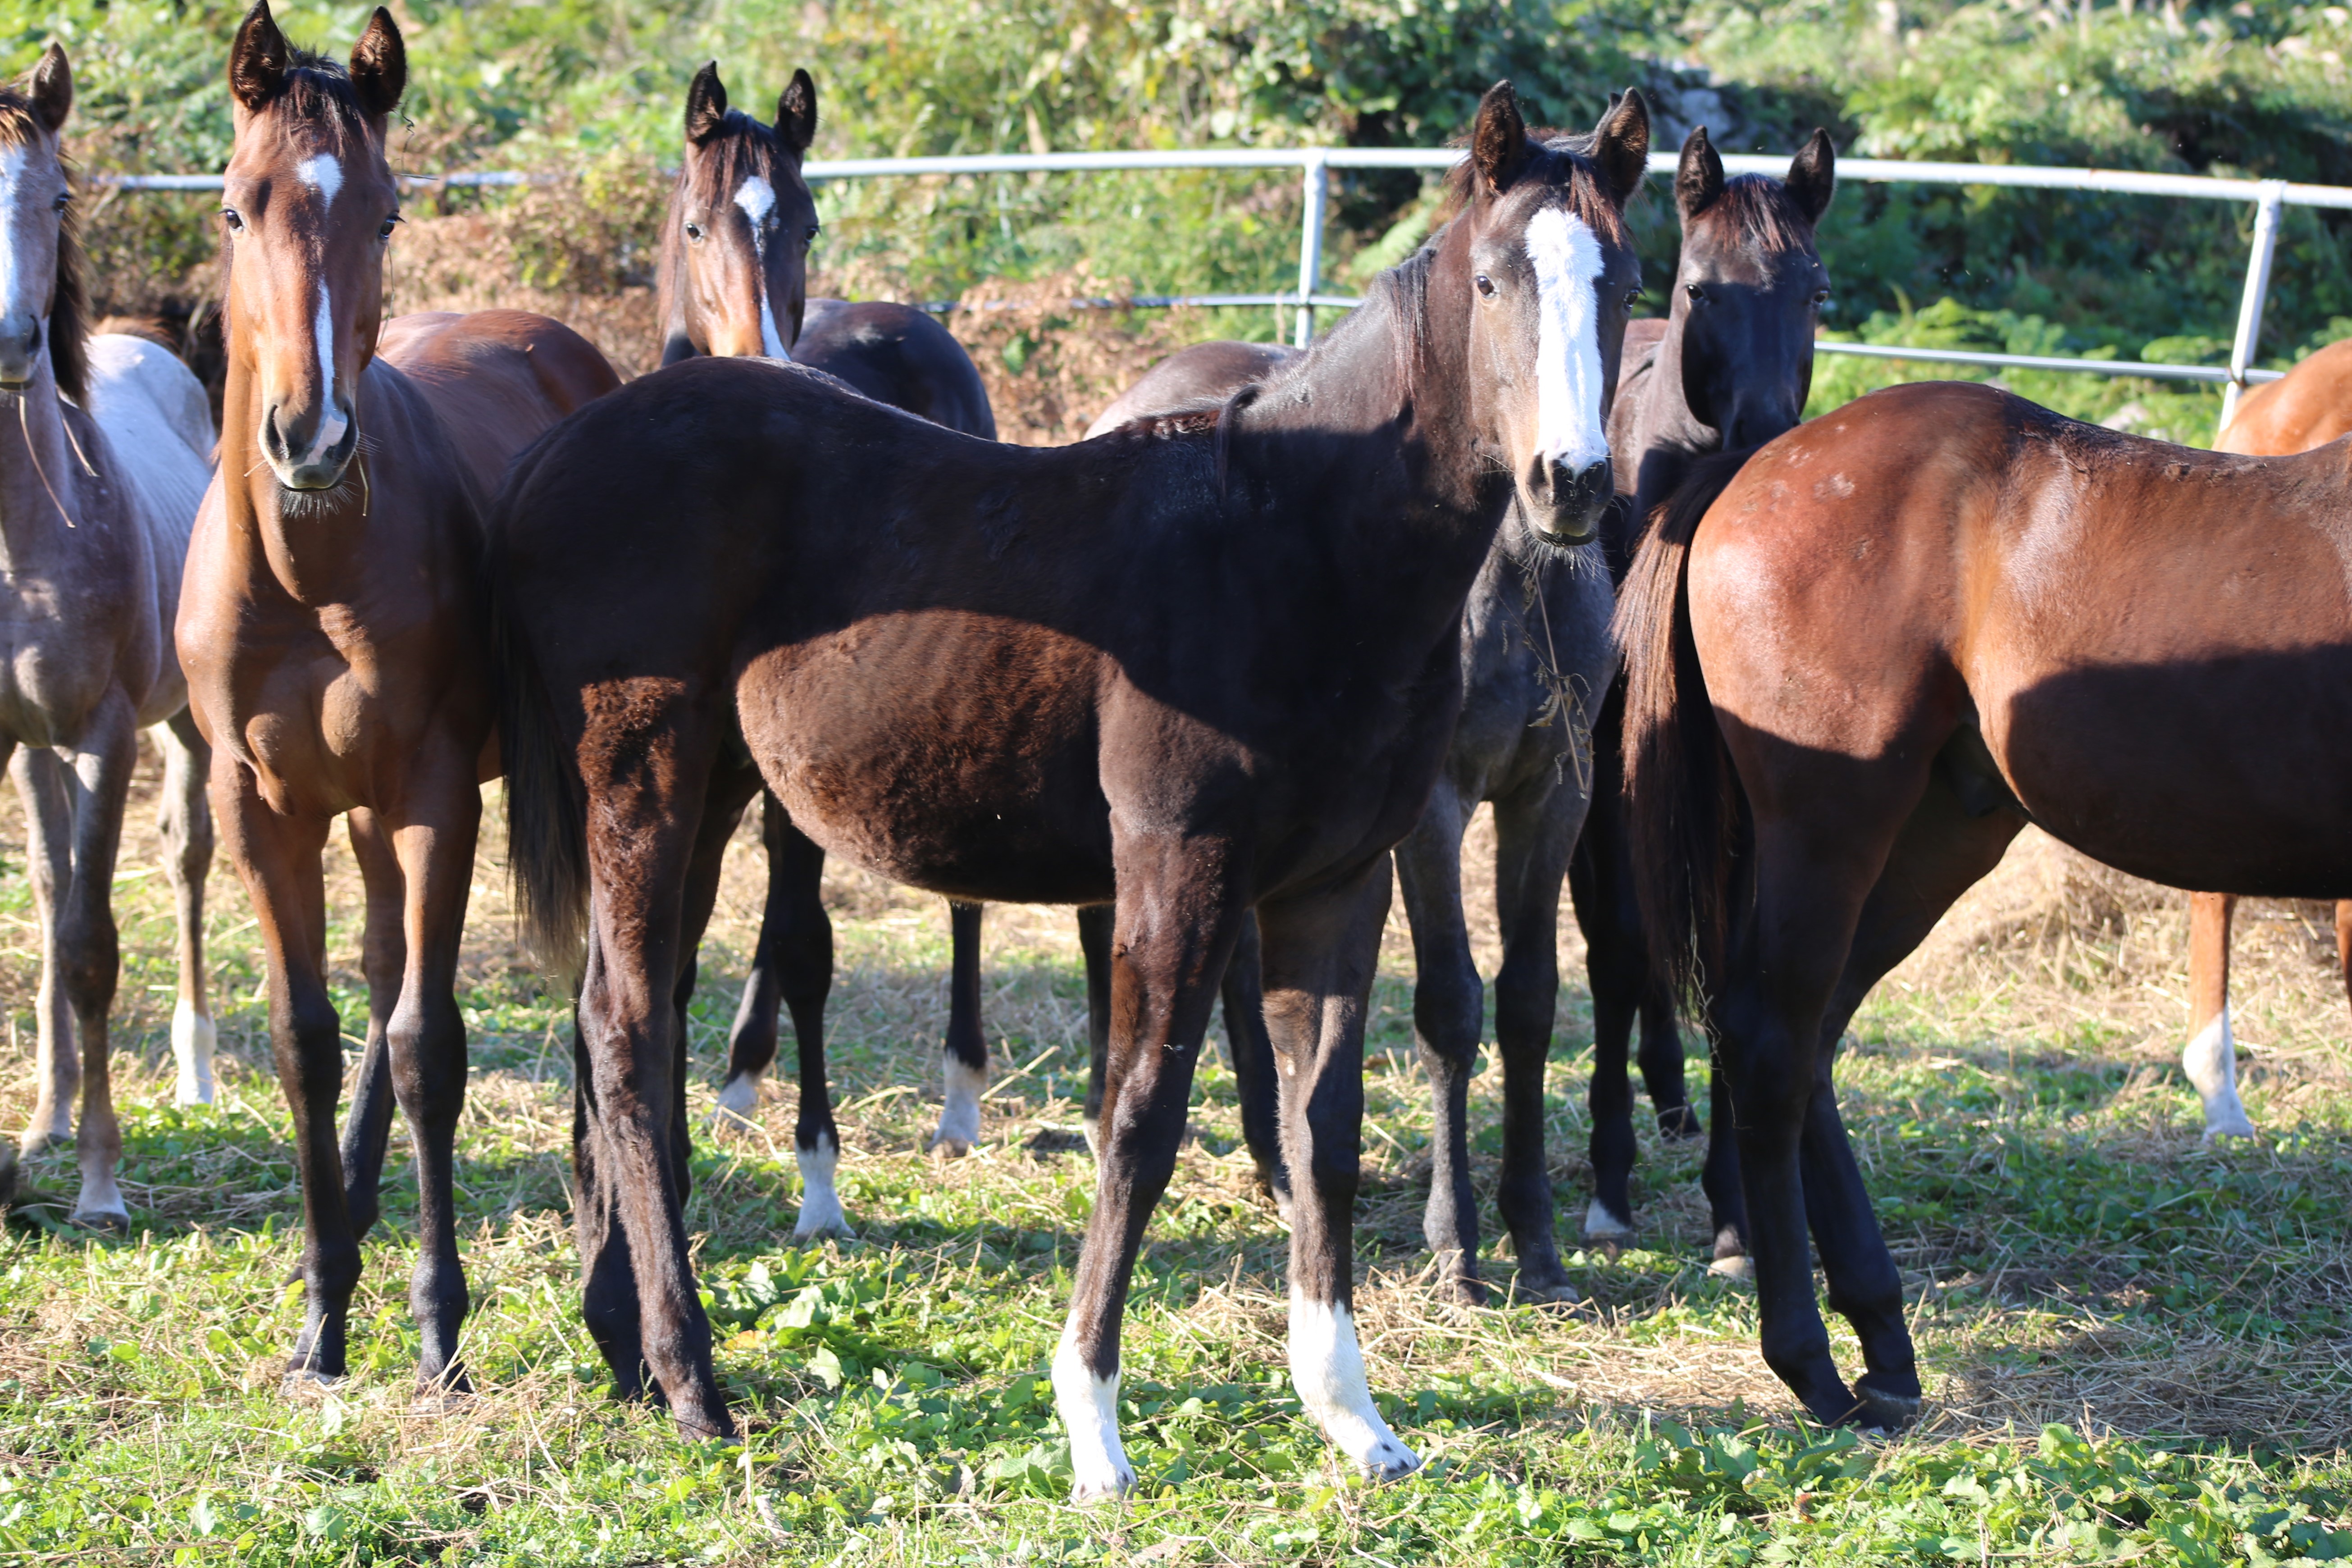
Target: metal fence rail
<point x="2270" y="197"/>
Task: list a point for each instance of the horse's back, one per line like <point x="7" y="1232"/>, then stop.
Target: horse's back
<point x="159" y="425"/>
<point x="898" y="355"/>
<point x="2311" y="407"/>
<point x="498" y="379"/>
<point x="1195" y="375"/>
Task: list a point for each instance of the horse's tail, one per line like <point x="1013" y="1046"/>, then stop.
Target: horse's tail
<point x="1682" y="799"/>
<point x="547" y="832"/>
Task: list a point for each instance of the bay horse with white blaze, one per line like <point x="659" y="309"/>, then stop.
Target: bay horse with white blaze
<point x="1903" y="630"/>
<point x="733" y="283"/>
<point x="1189" y="669"/>
<point x="332" y="628"/>
<point x="1730" y="367"/>
<point x="101" y="472"/>
<point x="2309" y="406"/>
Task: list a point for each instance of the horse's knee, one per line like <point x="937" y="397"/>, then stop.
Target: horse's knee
<point x="88" y="958"/>
<point x="1449" y="1007"/>
<point x="1526" y="994"/>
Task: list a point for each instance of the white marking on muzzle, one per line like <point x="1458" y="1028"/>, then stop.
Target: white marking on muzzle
<point x="757" y="197"/>
<point x="1327" y="1368"/>
<point x="1571" y="431"/>
<point x="331" y="416"/>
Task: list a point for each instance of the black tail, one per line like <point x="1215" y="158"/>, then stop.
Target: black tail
<point x="547" y="834"/>
<point x="1682" y="800"/>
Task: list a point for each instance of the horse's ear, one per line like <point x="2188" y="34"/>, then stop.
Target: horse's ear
<point x="1620" y="146"/>
<point x="258" y="61"/>
<point x="1498" y="141"/>
<point x="706" y="105"/>
<point x="1812" y="176"/>
<point x="53" y="89"/>
<point x="1699" y="178"/>
<point x="796" y="113"/>
<point x="380" y="66"/>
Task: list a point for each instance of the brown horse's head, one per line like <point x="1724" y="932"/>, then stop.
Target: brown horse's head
<point x="307" y="206"/>
<point x="41" y="302"/>
<point x="1749" y="290"/>
<point x="1541" y="259"/>
<point x="734" y="268"/>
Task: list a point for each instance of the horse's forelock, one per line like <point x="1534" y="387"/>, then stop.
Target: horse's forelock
<point x="1555" y="149"/>
<point x="721" y="162"/>
<point x="1758" y="210"/>
<point x="68" y="329"/>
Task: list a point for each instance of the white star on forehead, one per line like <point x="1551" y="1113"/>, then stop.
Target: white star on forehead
<point x="323" y="173"/>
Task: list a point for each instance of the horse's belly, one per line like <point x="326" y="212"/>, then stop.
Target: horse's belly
<point x="2226" y="774"/>
<point x="942" y="750"/>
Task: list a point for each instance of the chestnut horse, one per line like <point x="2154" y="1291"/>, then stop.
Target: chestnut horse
<point x="2309" y="406"/>
<point x="1730" y="367"/>
<point x="735" y="244"/>
<point x="1903" y="630"/>
<point x="1191" y="668"/>
<point x="330" y="624"/>
<point x="101" y="472"/>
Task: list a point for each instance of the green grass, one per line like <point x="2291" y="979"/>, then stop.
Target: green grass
<point x="2136" y="1348"/>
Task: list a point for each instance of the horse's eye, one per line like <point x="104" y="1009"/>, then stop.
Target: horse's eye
<point x="1697" y="295"/>
<point x="389" y="224"/>
<point x="1485" y="286"/>
<point x="1820" y="296"/>
<point x="810" y="237"/>
<point x="65" y="199"/>
<point x="694" y="233"/>
<point x="232" y="217"/>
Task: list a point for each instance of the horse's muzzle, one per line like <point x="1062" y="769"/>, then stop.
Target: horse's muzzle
<point x="308" y="454"/>
<point x="20" y="353"/>
<point x="1565" y="506"/>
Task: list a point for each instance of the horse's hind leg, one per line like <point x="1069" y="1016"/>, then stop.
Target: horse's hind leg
<point x="1095" y="928"/>
<point x="186" y="821"/>
<point x="89" y="951"/>
<point x="2210" y="1059"/>
<point x="1942" y="851"/>
<point x="1256" y="1083"/>
<point x="1535" y="834"/>
<point x="1320" y="951"/>
<point x="383" y="957"/>
<point x="795" y="910"/>
<point x="1617" y="967"/>
<point x="1449" y="1007"/>
<point x="1176" y="912"/>
<point x="963" y="1062"/>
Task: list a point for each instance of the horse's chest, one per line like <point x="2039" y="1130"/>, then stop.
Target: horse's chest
<point x="51" y="674"/>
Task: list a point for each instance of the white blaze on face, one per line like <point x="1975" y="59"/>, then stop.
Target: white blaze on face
<point x="19" y="206"/>
<point x="757" y="197"/>
<point x="1571" y="431"/>
<point x="1327" y="1368"/>
<point x="323" y="173"/>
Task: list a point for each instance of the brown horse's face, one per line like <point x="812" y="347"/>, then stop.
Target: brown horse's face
<point x="307" y="207"/>
<point x="1749" y="289"/>
<point x="1549" y="275"/>
<point x="34" y="196"/>
<point x="740" y="223"/>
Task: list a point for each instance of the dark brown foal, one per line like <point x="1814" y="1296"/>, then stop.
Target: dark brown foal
<point x="1193" y="668"/>
<point x="331" y="630"/>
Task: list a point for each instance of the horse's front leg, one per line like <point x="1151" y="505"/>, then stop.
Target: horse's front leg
<point x="89" y="958"/>
<point x="1449" y="1008"/>
<point x="1319" y="952"/>
<point x="2211" y="1058"/>
<point x="384" y="959"/>
<point x="791" y="967"/>
<point x="433" y="837"/>
<point x="277" y="858"/>
<point x="963" y="1060"/>
<point x="1176" y="909"/>
<point x="186" y="824"/>
<point x="1256" y="1082"/>
<point x="1535" y="832"/>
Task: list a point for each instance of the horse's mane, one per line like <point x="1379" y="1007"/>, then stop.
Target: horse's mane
<point x="69" y="311"/>
<point x="1759" y="208"/>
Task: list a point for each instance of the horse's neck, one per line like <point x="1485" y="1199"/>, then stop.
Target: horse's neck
<point x="45" y="491"/>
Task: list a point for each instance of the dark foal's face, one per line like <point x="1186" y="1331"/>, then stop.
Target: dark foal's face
<point x="308" y="205"/>
<point x="34" y="196"/>
<point x="1551" y="275"/>
<point x="1750" y="289"/>
<point x="741" y="221"/>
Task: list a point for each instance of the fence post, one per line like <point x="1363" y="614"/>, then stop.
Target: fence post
<point x="1310" y="242"/>
<point x="2267" y="207"/>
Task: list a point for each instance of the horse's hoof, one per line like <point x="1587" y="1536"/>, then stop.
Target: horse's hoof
<point x="1881" y="1408"/>
<point x="1102" y="1483"/>
<point x="102" y="1221"/>
<point x="38" y="1139"/>
<point x="738" y="1107"/>
<point x="1604" y="1228"/>
<point x="1545" y="1290"/>
<point x="821" y="1228"/>
<point x="305" y="1382"/>
<point x="1736" y="1267"/>
<point x="1680" y="1125"/>
<point x="1390" y="1461"/>
<point x="945" y="1146"/>
<point x="2216" y="1130"/>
